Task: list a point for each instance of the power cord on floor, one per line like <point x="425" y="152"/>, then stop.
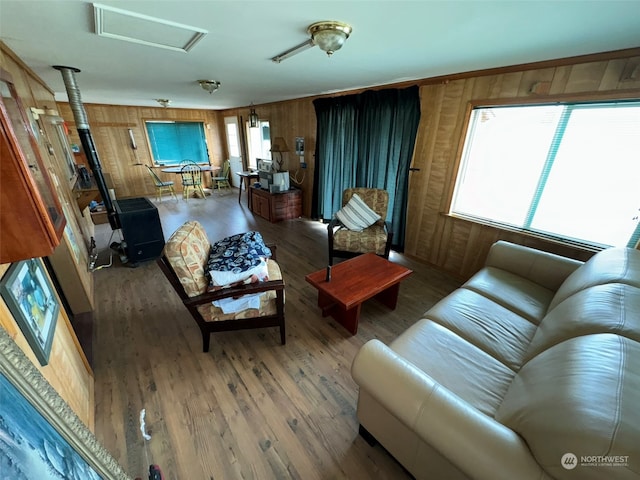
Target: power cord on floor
<point x="93" y="253"/>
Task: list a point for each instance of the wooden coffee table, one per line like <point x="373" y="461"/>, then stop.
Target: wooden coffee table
<point x="354" y="281"/>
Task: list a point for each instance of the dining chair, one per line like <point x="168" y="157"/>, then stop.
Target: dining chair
<point x="222" y="181"/>
<point x="191" y="180"/>
<point x="161" y="186"/>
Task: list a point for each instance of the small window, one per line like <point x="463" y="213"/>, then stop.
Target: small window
<point x="172" y="142"/>
<point x="233" y="139"/>
<point x="259" y="143"/>
<point x="569" y="171"/>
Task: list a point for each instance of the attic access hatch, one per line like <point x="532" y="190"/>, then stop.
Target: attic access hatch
<point x="138" y="28"/>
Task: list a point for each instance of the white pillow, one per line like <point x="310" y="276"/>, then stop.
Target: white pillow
<point x="356" y="215"/>
<point x="225" y="279"/>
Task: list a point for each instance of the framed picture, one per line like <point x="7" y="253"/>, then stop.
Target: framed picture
<point x="31" y="447"/>
<point x="31" y="299"/>
<point x="40" y="435"/>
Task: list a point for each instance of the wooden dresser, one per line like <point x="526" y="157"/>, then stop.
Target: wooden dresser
<point x="276" y="206"/>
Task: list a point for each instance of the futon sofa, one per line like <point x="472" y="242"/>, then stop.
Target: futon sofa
<point x="530" y="370"/>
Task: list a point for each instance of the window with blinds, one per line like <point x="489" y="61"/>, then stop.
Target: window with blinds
<point x="173" y="142"/>
<point x="569" y="171"/>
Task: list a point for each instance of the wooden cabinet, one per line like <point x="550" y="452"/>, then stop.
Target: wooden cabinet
<point x="260" y="203"/>
<point x="276" y="206"/>
<point x="31" y="217"/>
<point x="70" y="260"/>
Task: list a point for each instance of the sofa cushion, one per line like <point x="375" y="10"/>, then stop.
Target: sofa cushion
<point x="187" y="251"/>
<point x="609" y="308"/>
<point x="518" y="294"/>
<point x="613" y="265"/>
<point x="494" y="329"/>
<point x="581" y="397"/>
<point x="541" y="267"/>
<point x="453" y="362"/>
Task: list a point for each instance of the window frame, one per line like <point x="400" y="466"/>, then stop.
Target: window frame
<point x="587" y="97"/>
<point x="203" y="122"/>
<point x="265" y="152"/>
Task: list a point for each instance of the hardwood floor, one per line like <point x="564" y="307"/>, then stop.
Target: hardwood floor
<point x="250" y="408"/>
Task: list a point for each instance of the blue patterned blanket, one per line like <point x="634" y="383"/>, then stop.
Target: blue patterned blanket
<point x="238" y="253"/>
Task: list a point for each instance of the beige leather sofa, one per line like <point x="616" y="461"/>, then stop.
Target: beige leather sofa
<point x="531" y="370"/>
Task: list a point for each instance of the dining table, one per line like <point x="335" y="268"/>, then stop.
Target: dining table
<point x="204" y="168"/>
<point x="178" y="168"/>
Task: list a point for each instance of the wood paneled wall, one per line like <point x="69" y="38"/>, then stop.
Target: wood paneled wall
<point x="454" y="245"/>
<point x="459" y="246"/>
<point x="109" y="126"/>
<point x="68" y="371"/>
<point x="290" y="119"/>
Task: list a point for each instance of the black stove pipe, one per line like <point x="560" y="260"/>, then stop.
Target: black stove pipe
<point x="82" y="124"/>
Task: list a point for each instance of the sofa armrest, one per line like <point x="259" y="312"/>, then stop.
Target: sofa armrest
<point x="543" y="268"/>
<point x="477" y="444"/>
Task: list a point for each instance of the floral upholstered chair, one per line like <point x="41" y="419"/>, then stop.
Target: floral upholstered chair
<point x="361" y="225"/>
<point x="184" y="262"/>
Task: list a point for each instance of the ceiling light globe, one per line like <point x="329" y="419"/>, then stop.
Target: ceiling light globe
<point x="329" y="41"/>
<point x="209" y="85"/>
<point x="329" y="36"/>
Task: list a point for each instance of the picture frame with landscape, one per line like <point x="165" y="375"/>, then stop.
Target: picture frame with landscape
<point x="32" y="301"/>
<point x="40" y="435"/>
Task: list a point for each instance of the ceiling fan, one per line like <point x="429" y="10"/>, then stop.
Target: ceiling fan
<point x="328" y="35"/>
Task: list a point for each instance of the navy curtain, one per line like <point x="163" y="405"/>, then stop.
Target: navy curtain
<point x="366" y="140"/>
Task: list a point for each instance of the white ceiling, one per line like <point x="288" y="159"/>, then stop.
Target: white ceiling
<point x="392" y="41"/>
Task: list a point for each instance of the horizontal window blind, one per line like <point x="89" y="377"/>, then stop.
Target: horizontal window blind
<point x="173" y="142"/>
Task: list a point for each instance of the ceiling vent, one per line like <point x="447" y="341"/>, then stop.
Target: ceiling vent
<point x="137" y="28"/>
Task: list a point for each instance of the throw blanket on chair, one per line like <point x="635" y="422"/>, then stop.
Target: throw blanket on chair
<point x="238" y="259"/>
